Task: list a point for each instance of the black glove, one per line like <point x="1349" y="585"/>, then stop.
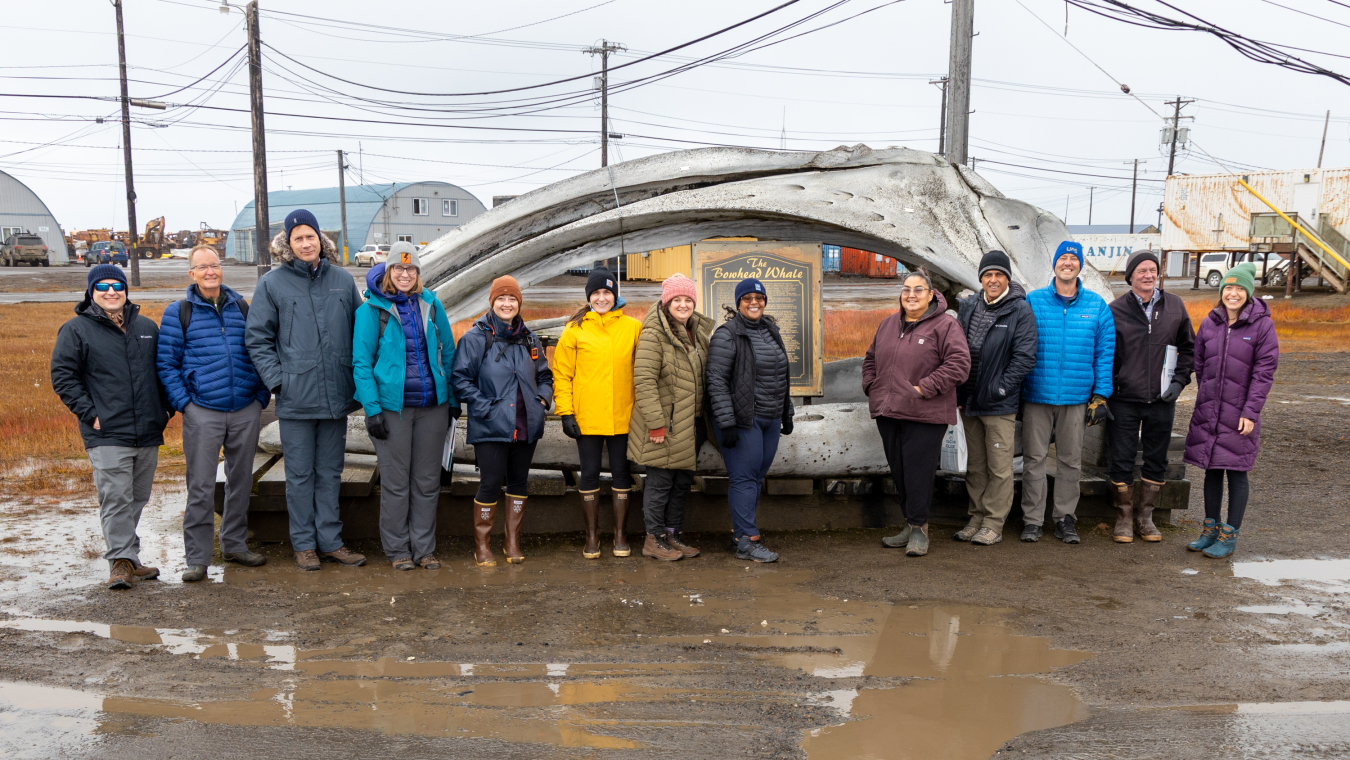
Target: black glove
<point x="376" y="427"/>
<point x="570" y="428"/>
<point x="1098" y="411"/>
<point x="1171" y="393"/>
<point x="730" y="437"/>
<point x="455" y="412"/>
<point x="787" y="425"/>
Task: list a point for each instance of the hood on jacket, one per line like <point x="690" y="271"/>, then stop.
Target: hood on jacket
<point x="1015" y="293"/>
<point x="282" y="253"/>
<point x="937" y="306"/>
<point x="1253" y="311"/>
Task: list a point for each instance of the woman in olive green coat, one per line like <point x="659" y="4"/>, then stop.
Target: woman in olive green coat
<point x="667" y="427"/>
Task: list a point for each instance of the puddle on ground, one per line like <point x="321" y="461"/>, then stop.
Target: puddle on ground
<point x="959" y="672"/>
<point x="1332" y="575"/>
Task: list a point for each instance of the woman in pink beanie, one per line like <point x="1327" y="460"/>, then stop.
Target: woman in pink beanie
<point x="667" y="427"/>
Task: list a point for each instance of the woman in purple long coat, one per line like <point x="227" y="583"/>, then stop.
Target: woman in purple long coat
<point x="1236" y="353"/>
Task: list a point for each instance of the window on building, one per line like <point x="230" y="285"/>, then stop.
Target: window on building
<point x="421" y="206"/>
<point x="5" y="232"/>
<point x="405" y="238"/>
<point x="449" y="207"/>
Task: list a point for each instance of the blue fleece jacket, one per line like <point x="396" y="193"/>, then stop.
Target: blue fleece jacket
<point x="212" y="368"/>
<point x="410" y="364"/>
<point x="1075" y="347"/>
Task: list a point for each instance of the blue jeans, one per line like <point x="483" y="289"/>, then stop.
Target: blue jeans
<point x="747" y="464"/>
<point x="313" y="452"/>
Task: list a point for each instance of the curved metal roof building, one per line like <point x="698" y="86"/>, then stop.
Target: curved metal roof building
<point x="21" y="210"/>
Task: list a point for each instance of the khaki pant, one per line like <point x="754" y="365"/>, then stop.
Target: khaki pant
<point x="1067" y="423"/>
<point x="989" y="468"/>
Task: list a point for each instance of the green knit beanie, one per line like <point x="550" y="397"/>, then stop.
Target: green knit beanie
<point x="1243" y="275"/>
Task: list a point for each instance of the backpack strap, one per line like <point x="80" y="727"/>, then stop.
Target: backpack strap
<point x="384" y="321"/>
<point x="185" y="317"/>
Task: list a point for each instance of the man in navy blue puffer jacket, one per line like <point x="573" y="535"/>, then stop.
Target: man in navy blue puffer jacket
<point x="209" y="377"/>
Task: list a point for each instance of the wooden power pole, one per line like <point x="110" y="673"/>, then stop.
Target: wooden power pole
<point x="606" y="47"/>
<point x="262" y="231"/>
<point x="958" y="81"/>
<point x="342" y="202"/>
<point x="134" y="259"/>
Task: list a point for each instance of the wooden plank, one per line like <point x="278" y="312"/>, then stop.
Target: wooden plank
<point x="262" y="462"/>
<point x="273" y="482"/>
<point x="359" y="473"/>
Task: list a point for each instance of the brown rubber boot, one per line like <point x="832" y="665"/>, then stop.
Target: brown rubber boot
<point x="483" y="515"/>
<point x="515" y="512"/>
<point x="1143" y="519"/>
<point x="1124" y="532"/>
<point x="621" y="548"/>
<point x="656" y="547"/>
<point x="590" y="508"/>
<point x="121" y="575"/>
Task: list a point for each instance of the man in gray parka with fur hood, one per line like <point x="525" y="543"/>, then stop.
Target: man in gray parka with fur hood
<point x="300" y="340"/>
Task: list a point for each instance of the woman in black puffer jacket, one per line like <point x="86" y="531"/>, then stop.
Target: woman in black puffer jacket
<point x="749" y="390"/>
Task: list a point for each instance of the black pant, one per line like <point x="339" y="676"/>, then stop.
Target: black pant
<point x="1155" y="418"/>
<point x="589" y="447"/>
<point x="663" y="495"/>
<point x="1238" y="488"/>
<point x="913" y="450"/>
<point x="503" y="462"/>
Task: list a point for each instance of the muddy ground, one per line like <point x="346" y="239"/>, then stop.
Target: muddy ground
<point x="843" y="649"/>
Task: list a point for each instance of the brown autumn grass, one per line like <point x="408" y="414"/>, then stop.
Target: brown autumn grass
<point x="1300" y="328"/>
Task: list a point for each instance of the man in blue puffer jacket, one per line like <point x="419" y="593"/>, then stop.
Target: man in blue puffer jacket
<point x="209" y="377"/>
<point x="1066" y="392"/>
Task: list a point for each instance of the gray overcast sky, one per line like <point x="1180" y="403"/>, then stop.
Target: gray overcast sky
<point x="1038" y="103"/>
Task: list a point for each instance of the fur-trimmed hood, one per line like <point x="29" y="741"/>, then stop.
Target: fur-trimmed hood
<point x="282" y="253"/>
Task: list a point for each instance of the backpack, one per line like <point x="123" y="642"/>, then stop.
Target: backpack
<point x="185" y="314"/>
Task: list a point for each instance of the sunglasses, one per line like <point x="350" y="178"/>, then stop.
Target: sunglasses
<point x="104" y="287"/>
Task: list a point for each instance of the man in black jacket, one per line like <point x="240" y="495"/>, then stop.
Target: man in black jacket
<point x="1155" y="355"/>
<point x="1001" y="331"/>
<point x="103" y="368"/>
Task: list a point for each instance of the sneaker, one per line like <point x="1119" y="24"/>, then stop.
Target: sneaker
<point x="403" y="563"/>
<point x="307" y="559"/>
<point x="899" y="540"/>
<point x="918" y="542"/>
<point x="1032" y="533"/>
<point x="120" y="577"/>
<point x="676" y="541"/>
<point x="967" y="533"/>
<point x="1065" y="530"/>
<point x="343" y="556"/>
<point x="194" y="573"/>
<point x="754" y="551"/>
<point x="986" y="537"/>
<point x="245" y="558"/>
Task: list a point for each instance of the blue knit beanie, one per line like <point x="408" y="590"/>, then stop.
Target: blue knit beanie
<point x="298" y="217"/>
<point x="1068" y="246"/>
<point x="104" y="272"/>
<point x="747" y="286"/>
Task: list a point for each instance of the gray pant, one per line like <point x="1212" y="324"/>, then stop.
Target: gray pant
<point x="1067" y="423"/>
<point x="205" y="432"/>
<point x="410" y="479"/>
<point x="989" y="468"/>
<point x="123" y="476"/>
<point x="313" y="452"/>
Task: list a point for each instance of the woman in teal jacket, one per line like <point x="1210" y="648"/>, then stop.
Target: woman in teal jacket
<point x="402" y="355"/>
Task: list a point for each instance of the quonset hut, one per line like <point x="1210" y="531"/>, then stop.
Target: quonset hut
<point x="418" y="212"/>
<point x="21" y="210"/>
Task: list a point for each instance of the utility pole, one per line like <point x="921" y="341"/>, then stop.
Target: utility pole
<point x="958" y="81"/>
<point x="342" y="201"/>
<point x="126" y="150"/>
<point x="1091" y="190"/>
<point x="606" y="47"/>
<point x="1134" y="189"/>
<point x="1176" y="131"/>
<point x="262" y="229"/>
<point x="942" y="119"/>
<point x="1323" y="149"/>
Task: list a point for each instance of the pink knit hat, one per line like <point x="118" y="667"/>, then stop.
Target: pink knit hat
<point x="678" y="285"/>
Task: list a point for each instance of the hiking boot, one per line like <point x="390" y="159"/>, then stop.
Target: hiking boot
<point x="918" y="541"/>
<point x="1124" y="530"/>
<point x="1065" y="530"/>
<point x="515" y="512"/>
<point x="343" y="556"/>
<point x="754" y="551"/>
<point x="245" y="558"/>
<point x="307" y="560"/>
<point x="194" y="573"/>
<point x="403" y="563"/>
<point x="121" y="575"/>
<point x="676" y="541"/>
<point x="1225" y="544"/>
<point x="144" y="573"/>
<point x="986" y="537"/>
<point x="1208" y="536"/>
<point x="590" y="509"/>
<point x="967" y="533"/>
<point x="621" y="548"/>
<point x="1031" y="533"/>
<point x="899" y="540"/>
<point x="656" y="547"/>
<point x="483" y="515"/>
<point x="429" y="562"/>
<point x="1143" y="518"/>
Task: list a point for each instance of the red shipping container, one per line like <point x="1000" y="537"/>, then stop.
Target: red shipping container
<point x="855" y="262"/>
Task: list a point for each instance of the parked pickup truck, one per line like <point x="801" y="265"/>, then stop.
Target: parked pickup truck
<point x="1214" y="265"/>
<point x="24" y="248"/>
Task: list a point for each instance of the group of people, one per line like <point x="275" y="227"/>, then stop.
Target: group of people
<point x="1062" y="360"/>
<point x="648" y="392"/>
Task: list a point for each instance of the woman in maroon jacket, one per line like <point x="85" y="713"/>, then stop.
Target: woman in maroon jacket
<point x="910" y="374"/>
<point x="1236" y="354"/>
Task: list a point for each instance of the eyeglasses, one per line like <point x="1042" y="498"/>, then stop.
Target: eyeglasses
<point x="104" y="287"/>
<point x="403" y="270"/>
<point x="206" y="267"/>
<point x="754" y="299"/>
<point x="913" y="291"/>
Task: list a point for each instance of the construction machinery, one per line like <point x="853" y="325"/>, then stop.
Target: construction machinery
<point x="154" y="243"/>
<point x="206" y="235"/>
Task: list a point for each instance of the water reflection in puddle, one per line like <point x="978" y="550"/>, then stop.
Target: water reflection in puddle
<point x="1332" y="575"/>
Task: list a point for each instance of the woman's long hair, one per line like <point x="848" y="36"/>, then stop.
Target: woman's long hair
<point x="580" y="314"/>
